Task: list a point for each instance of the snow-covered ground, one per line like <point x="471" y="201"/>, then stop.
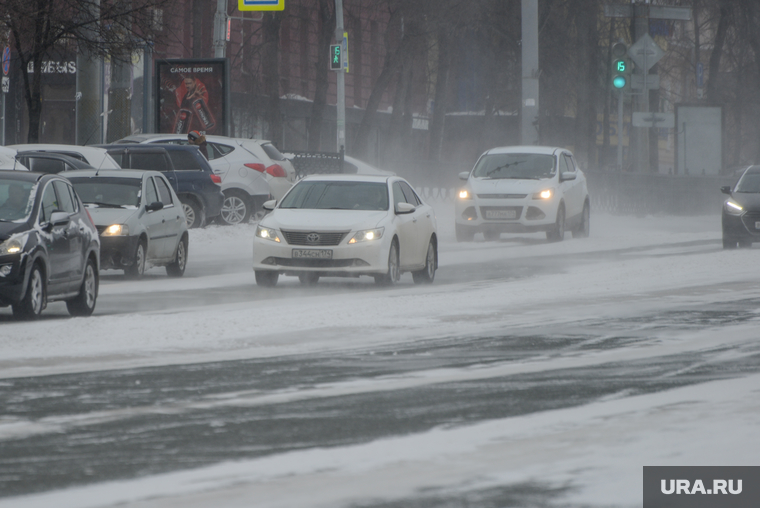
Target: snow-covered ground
<point x="596" y="451"/>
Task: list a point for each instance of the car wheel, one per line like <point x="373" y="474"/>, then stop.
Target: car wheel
<point x="464" y="234"/>
<point x="84" y="303"/>
<point x="584" y="228"/>
<point x="137" y="269"/>
<point x="393" y="274"/>
<point x="30" y="307"/>
<point x="309" y="278"/>
<point x="193" y="213"/>
<point x="427" y="274"/>
<point x="236" y="208"/>
<point x="729" y="242"/>
<point x="266" y="278"/>
<point x="177" y="267"/>
<point x="557" y="233"/>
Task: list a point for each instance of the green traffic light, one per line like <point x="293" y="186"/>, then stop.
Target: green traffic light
<point x="619" y="82"/>
<point x="620" y="65"/>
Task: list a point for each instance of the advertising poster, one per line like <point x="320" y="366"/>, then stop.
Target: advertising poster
<point x="192" y="95"/>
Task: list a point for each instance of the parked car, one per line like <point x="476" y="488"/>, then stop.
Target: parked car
<point x="355" y="166"/>
<point x="741" y="211"/>
<point x="251" y="171"/>
<point x="188" y="172"/>
<point x="523" y="189"/>
<point x="96" y="157"/>
<point x="51" y="162"/>
<point x="347" y="225"/>
<point x="49" y="248"/>
<point x="9" y="160"/>
<point x="139" y="219"/>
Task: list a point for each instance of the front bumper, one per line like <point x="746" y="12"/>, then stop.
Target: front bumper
<point x="13" y="284"/>
<point x="524" y="215"/>
<point x="365" y="258"/>
<point x="742" y="226"/>
<point x="117" y="252"/>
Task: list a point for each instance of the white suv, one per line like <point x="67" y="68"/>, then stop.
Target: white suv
<point x="523" y="189"/>
<point x="251" y="170"/>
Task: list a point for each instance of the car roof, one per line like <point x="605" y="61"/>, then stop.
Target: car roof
<point x="118" y="173"/>
<point x="45" y="147"/>
<point x="142" y="138"/>
<point x="148" y="147"/>
<point x="58" y="156"/>
<point x="541" y="150"/>
<point x="22" y="176"/>
<point x="347" y="178"/>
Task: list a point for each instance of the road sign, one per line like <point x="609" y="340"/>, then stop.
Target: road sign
<point x="6" y="85"/>
<point x="667" y="120"/>
<point x="6" y="60"/>
<point x="261" y="5"/>
<point x="645" y="52"/>
<point x="652" y="81"/>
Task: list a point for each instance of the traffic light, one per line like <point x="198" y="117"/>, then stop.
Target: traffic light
<point x="621" y="67"/>
<point x="336" y="57"/>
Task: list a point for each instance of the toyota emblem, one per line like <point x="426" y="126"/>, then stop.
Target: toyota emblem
<point x="312" y="238"/>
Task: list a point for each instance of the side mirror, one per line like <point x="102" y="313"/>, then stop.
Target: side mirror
<point x="567" y="176"/>
<point x="152" y="207"/>
<point x="464" y="175"/>
<point x="59" y="219"/>
<point x="726" y="189"/>
<point x="402" y="208"/>
<point x="269" y="205"/>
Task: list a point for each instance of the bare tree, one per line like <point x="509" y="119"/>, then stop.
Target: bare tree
<point x="271" y="66"/>
<point x="39" y="27"/>
<point x="326" y="16"/>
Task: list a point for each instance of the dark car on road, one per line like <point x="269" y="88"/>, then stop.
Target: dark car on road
<point x="49" y="247"/>
<point x="741" y="211"/>
<point x="188" y="172"/>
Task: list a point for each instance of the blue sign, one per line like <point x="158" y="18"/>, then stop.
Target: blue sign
<point x="261" y="5"/>
<point x="6" y="60"/>
<point x="700" y="75"/>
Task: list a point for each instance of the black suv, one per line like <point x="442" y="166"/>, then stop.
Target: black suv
<point x="49" y="247"/>
<point x="195" y="183"/>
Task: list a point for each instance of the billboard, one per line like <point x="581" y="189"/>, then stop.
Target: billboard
<point x="193" y="94"/>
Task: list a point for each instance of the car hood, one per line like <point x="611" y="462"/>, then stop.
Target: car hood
<point x="107" y="216"/>
<point x="509" y="186"/>
<point x="324" y="220"/>
<point x="748" y="200"/>
<point x="7" y="229"/>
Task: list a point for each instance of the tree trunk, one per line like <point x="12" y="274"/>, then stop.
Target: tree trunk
<point x="198" y="11"/>
<point x="271" y="64"/>
<point x="439" y="99"/>
<point x="720" y="37"/>
<point x="326" y="30"/>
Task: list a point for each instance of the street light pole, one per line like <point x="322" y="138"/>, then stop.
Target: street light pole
<point x="340" y="104"/>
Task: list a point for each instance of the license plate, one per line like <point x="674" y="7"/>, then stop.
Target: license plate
<point x="501" y="214"/>
<point x="312" y="253"/>
<point x="757" y="225"/>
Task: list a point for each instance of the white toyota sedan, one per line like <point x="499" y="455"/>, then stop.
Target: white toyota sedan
<point x="523" y="189"/>
<point x="347" y="226"/>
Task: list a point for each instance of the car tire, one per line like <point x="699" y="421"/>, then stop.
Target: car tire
<point x="729" y="242"/>
<point x="266" y="278"/>
<point x="427" y="274"/>
<point x="557" y="233"/>
<point x="393" y="274"/>
<point x="236" y="208"/>
<point x="177" y="267"/>
<point x="84" y="303"/>
<point x="193" y="212"/>
<point x="309" y="278"/>
<point x="584" y="228"/>
<point x="30" y="307"/>
<point x="464" y="234"/>
<point x="137" y="269"/>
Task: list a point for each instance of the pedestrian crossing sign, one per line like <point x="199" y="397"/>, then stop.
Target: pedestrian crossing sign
<point x="261" y="5"/>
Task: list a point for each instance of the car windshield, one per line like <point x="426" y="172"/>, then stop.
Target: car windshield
<point x="108" y="192"/>
<point x="520" y="166"/>
<point x="749" y="182"/>
<point x="337" y="196"/>
<point x="16" y="200"/>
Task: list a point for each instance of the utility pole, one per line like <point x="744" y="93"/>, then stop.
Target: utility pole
<point x="340" y="104"/>
<point x="529" y="134"/>
<point x="220" y="29"/>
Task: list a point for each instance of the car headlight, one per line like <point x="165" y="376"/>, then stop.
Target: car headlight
<point x="267" y="234"/>
<point x="733" y="208"/>
<point x="465" y="194"/>
<point x="14" y="244"/>
<point x="367" y="235"/>
<point x="116" y="230"/>
<point x="544" y="194"/>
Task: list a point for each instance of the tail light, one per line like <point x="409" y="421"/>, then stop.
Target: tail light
<point x="216" y="179"/>
<point x="276" y="171"/>
<point x="257" y="167"/>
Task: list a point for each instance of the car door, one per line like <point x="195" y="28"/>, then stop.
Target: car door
<point x="422" y="217"/>
<point x="73" y="231"/>
<point x="406" y="228"/>
<point x="56" y="242"/>
<point x="573" y="190"/>
<point x="154" y="221"/>
<point x="173" y="216"/>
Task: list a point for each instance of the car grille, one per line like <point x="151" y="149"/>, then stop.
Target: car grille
<point x="317" y="263"/>
<point x="502" y="196"/>
<point x="313" y="238"/>
<point x="501" y="212"/>
<point x="750" y="219"/>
